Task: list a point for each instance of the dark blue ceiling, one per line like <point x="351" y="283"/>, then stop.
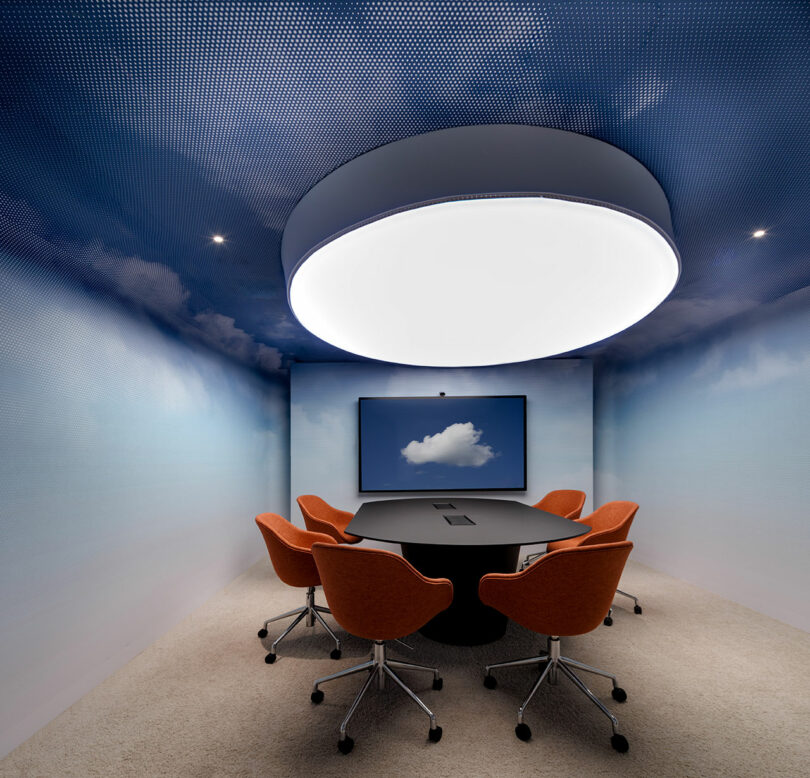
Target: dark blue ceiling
<point x="131" y="132"/>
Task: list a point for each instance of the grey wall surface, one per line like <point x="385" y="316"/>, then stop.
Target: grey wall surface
<point x="712" y="440"/>
<point x="323" y="422"/>
<point x="131" y="467"/>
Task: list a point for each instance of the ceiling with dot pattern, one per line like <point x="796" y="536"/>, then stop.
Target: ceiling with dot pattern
<point x="132" y="133"/>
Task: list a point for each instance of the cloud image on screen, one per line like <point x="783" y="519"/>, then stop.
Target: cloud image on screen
<point x="447" y="444"/>
<point x="456" y="445"/>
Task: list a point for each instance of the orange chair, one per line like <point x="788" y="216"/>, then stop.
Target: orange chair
<point x="320" y="516"/>
<point x="290" y="551"/>
<point x="567" y="592"/>
<point x="609" y="523"/>
<point x="563" y="502"/>
<point x="379" y="596"/>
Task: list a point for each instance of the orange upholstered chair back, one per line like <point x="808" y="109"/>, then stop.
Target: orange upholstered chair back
<point x="609" y="523"/>
<point x="564" y="502"/>
<point x="320" y="516"/>
<point x="377" y="594"/>
<point x="566" y="592"/>
<point x="290" y="549"/>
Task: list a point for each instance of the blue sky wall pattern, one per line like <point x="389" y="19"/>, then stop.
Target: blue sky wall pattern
<point x="323" y="422"/>
<point x="712" y="440"/>
<point x="130" y="133"/>
<point x="131" y="467"/>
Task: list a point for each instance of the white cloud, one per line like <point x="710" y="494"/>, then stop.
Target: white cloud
<point x="675" y="321"/>
<point x="454" y="445"/>
<point x="221" y="331"/>
<point x="710" y="364"/>
<point x="160" y="290"/>
<point x="151" y="285"/>
<point x="72" y="343"/>
<point x="763" y="367"/>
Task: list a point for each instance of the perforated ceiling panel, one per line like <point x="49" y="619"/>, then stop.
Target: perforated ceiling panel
<point x="132" y="132"/>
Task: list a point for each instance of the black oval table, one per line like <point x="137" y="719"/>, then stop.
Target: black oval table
<point x="461" y="538"/>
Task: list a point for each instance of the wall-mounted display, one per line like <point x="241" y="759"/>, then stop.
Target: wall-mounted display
<point x="421" y="444"/>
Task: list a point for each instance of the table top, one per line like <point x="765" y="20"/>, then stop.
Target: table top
<point x="421" y="520"/>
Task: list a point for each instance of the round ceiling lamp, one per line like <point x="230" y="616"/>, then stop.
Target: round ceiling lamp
<point x="478" y="246"/>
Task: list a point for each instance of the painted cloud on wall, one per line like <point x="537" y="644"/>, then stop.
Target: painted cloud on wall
<point x="762" y="367"/>
<point x="455" y="445"/>
<point x="157" y="289"/>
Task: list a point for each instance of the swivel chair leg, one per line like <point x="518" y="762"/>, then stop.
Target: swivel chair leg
<point x="531" y="694"/>
<point x="378" y="668"/>
<point x="553" y="662"/>
<point x="331" y="633"/>
<point x="286" y="615"/>
<point x="434" y="727"/>
<point x="588" y="669"/>
<point x="312" y="613"/>
<point x="636" y="606"/>
<point x="284" y="635"/>
<point x="532" y="660"/>
<point x="348" y="743"/>
<point x="618" y="741"/>
<point x="342" y="674"/>
<point x="590" y="695"/>
<point x="410" y="666"/>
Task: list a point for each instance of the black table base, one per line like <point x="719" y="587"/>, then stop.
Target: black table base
<point x="467" y="622"/>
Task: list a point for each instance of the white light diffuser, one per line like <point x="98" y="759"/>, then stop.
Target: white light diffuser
<point x="479" y="245"/>
<point x="483" y="281"/>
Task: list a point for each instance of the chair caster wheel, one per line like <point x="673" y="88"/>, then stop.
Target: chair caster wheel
<point x="619" y="742"/>
<point x="619" y="694"/>
<point x="636" y="609"/>
<point x="608" y="622"/>
<point x="490" y="682"/>
<point x="437" y="685"/>
<point x="270" y="658"/>
<point x="435" y="734"/>
<point x="262" y="633"/>
<point x="335" y="654"/>
<point x="523" y="732"/>
<point x="345" y="745"/>
<point x="316" y="696"/>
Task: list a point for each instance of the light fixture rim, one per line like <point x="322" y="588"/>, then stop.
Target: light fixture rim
<point x="485" y="196"/>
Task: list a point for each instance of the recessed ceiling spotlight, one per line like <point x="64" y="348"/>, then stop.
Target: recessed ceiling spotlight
<point x="218" y="239"/>
<point x="758" y="234"/>
<point x="479" y="245"/>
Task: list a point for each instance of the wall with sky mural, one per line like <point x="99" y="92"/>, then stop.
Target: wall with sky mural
<point x="323" y="422"/>
<point x="131" y="467"/>
<point x="712" y="440"/>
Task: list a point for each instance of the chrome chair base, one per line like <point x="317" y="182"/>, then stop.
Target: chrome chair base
<point x="636" y="607"/>
<point x="554" y="662"/>
<point x="312" y="613"/>
<point x="379" y="667"/>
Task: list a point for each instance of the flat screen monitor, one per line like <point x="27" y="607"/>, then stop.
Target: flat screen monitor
<point x="442" y="444"/>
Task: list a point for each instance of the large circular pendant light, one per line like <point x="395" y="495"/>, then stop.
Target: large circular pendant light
<point x="479" y="246"/>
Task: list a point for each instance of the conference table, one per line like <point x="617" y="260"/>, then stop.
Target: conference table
<point x="461" y="538"/>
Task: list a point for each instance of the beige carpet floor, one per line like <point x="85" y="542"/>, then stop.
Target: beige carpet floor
<point x="713" y="689"/>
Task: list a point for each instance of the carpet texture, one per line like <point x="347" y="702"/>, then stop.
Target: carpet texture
<point x="714" y="689"/>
